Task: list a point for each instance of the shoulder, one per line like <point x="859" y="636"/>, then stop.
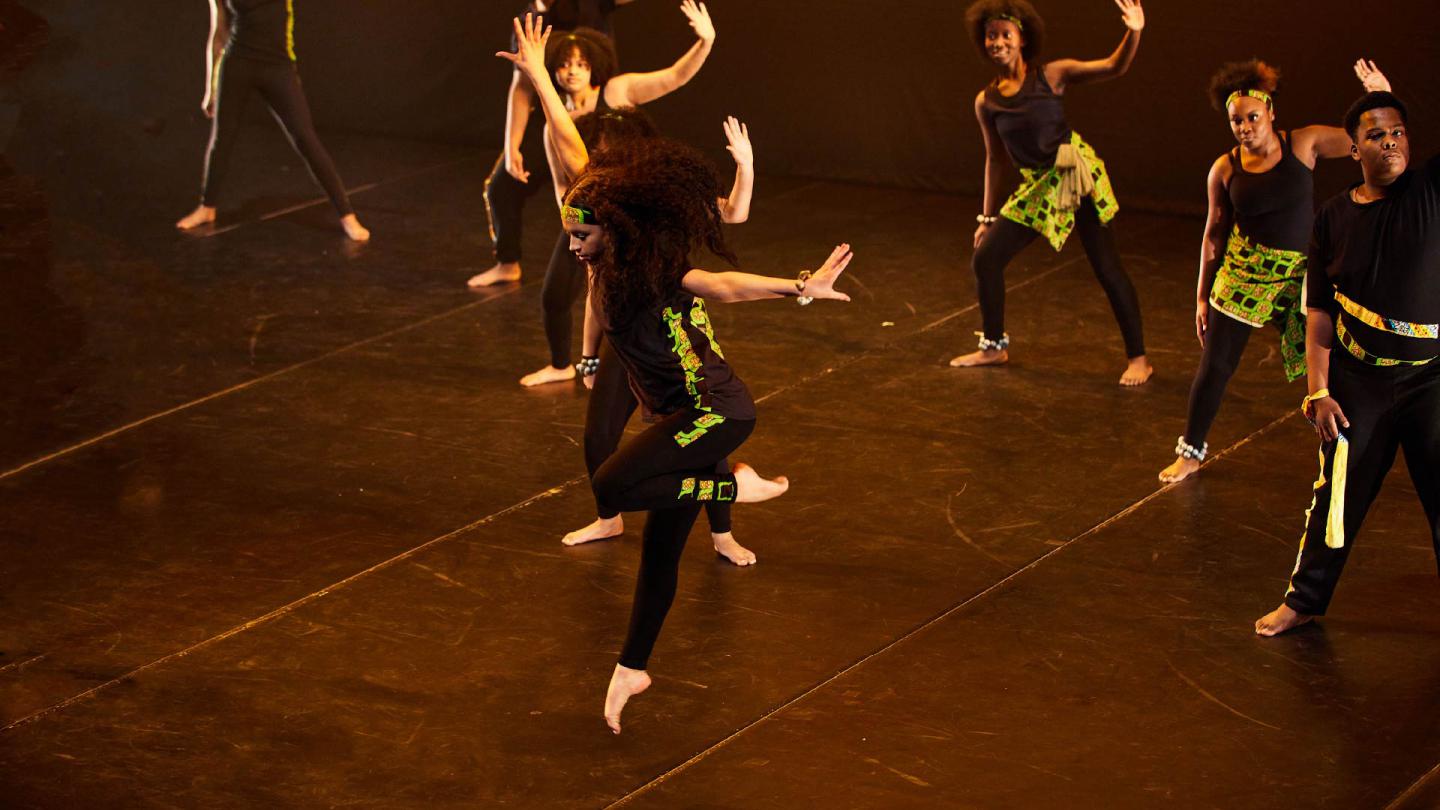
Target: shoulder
<point x="1223" y="168"/>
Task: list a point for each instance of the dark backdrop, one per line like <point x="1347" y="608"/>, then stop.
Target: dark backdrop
<point x="876" y="92"/>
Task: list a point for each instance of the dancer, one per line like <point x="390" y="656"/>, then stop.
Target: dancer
<point x="1064" y="185"/>
<point x="252" y="50"/>
<point x="635" y="226"/>
<point x="1252" y="257"/>
<point x="584" y="64"/>
<point x="1373" y="285"/>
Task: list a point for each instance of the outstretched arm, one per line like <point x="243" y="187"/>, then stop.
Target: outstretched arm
<point x="529" y="59"/>
<point x="634" y="89"/>
<point x="1312" y="143"/>
<point x="219" y="38"/>
<point x="733" y="286"/>
<point x="736" y="208"/>
<point x="1064" y="72"/>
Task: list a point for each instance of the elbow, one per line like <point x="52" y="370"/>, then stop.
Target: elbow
<point x="730" y="216"/>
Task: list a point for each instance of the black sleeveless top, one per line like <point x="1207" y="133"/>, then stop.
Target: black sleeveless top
<point x="262" y="29"/>
<point x="674" y="363"/>
<point x="1275" y="208"/>
<point x="1031" y="123"/>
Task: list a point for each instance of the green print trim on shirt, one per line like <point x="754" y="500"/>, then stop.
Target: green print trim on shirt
<point x="680" y="345"/>
<point x="700" y="318"/>
<point x="699" y="428"/>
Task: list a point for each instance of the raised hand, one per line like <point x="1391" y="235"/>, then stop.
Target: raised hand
<point x="699" y="18"/>
<point x="1371" y="77"/>
<point x="529" y="57"/>
<point x="821" y="283"/>
<point x="738" y="135"/>
<point x="1131" y="14"/>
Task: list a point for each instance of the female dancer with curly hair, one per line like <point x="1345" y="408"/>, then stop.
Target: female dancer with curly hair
<point x="252" y="50"/>
<point x="583" y="63"/>
<point x="1252" y="258"/>
<point x="635" y="225"/>
<point x="1064" y="185"/>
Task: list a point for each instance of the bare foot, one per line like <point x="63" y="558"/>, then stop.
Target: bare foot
<point x="601" y="529"/>
<point x="499" y="274"/>
<point x="1182" y="468"/>
<point x="353" y="228"/>
<point x="1280" y="620"/>
<point x="726" y="547"/>
<point x="751" y="488"/>
<point x="202" y="215"/>
<point x="624" y="684"/>
<point x="984" y="357"/>
<point x="548" y="374"/>
<point x="1138" y="372"/>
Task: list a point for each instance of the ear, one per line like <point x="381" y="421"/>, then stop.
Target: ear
<point x="1354" y="151"/>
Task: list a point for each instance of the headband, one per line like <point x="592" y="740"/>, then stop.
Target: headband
<point x="1260" y="94"/>
<point x="577" y="215"/>
<point x="1010" y="18"/>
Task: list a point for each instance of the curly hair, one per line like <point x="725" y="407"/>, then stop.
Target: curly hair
<point x="1375" y="100"/>
<point x="593" y="46"/>
<point x="611" y="134"/>
<point x="657" y="206"/>
<point x="1237" y="77"/>
<point x="1032" y="26"/>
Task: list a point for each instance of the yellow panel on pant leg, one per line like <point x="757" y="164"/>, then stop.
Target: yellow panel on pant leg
<point x="1335" y="522"/>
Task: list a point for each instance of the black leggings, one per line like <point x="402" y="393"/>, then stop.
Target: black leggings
<point x="610" y="407"/>
<point x="1006" y="239"/>
<point x="1225" y="340"/>
<point x="1388" y="408"/>
<point x="564" y="281"/>
<point x="669" y="479"/>
<point x="505" y="205"/>
<point x="278" y="83"/>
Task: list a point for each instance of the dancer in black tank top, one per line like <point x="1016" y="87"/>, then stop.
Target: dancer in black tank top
<point x="252" y="50"/>
<point x="1252" y="257"/>
<point x="635" y="225"/>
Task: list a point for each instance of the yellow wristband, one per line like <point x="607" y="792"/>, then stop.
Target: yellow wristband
<point x="1307" y="404"/>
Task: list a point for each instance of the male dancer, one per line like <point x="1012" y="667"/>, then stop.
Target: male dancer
<point x="1373" y="285"/>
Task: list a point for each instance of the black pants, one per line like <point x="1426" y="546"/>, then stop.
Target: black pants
<point x="278" y="83"/>
<point x="1225" y="340"/>
<point x="1388" y="408"/>
<point x="1006" y="239"/>
<point x="564" y="282"/>
<point x="505" y="198"/>
<point x="611" y="405"/>
<point x="670" y="478"/>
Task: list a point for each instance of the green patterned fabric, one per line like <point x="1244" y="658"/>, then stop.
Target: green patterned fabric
<point x="1035" y="204"/>
<point x="1260" y="285"/>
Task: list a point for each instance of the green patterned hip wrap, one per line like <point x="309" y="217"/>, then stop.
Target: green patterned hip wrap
<point x="1260" y="285"/>
<point x="1047" y="199"/>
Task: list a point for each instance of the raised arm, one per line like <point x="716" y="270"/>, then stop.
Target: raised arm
<point x="214" y="47"/>
<point x="736" y="208"/>
<point x="529" y="59"/>
<point x="1218" y="219"/>
<point x="1311" y="143"/>
<point x="1064" y="72"/>
<point x="995" y="162"/>
<point x="733" y="286"/>
<point x="634" y="89"/>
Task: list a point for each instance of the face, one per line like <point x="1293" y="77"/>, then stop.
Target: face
<point x="586" y="241"/>
<point x="1252" y="121"/>
<point x="1382" y="145"/>
<point x="1003" y="42"/>
<point x="573" y="75"/>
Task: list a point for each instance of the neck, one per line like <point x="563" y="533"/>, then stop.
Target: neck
<point x="1265" y="149"/>
<point x="1372" y="189"/>
<point x="585" y="99"/>
<point x="1014" y="70"/>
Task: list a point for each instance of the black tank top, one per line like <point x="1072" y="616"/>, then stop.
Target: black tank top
<point x="1276" y="207"/>
<point x="1031" y="123"/>
<point x="262" y="29"/>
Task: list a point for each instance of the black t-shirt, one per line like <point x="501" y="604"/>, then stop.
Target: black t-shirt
<point x="1385" y="256"/>
<point x="567" y="15"/>
<point x="674" y="363"/>
<point x="261" y="29"/>
<point x="1031" y="123"/>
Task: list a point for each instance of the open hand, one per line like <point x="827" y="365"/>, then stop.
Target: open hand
<point x="529" y="57"/>
<point x="821" y="283"/>
<point x="699" y="18"/>
<point x="738" y="135"/>
<point x="1131" y="14"/>
<point x="980" y="232"/>
<point x="1371" y="77"/>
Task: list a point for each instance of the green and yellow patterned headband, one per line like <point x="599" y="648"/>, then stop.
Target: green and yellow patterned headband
<point x="577" y="215"/>
<point x="1010" y="18"/>
<point x="1260" y="94"/>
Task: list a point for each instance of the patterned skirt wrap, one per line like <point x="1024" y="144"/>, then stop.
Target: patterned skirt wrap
<point x="1260" y="285"/>
<point x="1036" y="204"/>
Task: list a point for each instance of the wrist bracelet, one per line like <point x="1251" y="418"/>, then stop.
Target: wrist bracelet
<point x="588" y="366"/>
<point x="1307" y="405"/>
<point x="984" y="219"/>
<point x="800" y="297"/>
